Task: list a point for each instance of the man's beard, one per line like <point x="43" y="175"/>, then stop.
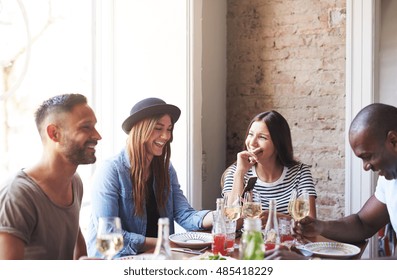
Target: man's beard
<point x="79" y="155"/>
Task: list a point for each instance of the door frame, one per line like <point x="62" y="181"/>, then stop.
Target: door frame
<point x="361" y="82"/>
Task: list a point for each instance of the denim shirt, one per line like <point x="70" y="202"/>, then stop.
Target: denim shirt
<point x="111" y="195"/>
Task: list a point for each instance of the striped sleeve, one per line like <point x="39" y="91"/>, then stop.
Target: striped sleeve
<point x="229" y="177"/>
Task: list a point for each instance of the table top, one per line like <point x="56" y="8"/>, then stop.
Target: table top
<point x="235" y="254"/>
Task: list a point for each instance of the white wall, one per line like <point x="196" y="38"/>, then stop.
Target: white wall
<point x="214" y="98"/>
<point x="388" y="53"/>
<point x="370" y="60"/>
<point x="186" y="69"/>
<point x="142" y="53"/>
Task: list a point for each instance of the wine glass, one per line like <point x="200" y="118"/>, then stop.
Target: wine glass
<point x="232" y="212"/>
<point x="298" y="207"/>
<point x="252" y="206"/>
<point x="292" y="199"/>
<point x="301" y="206"/>
<point x="109" y="239"/>
<point x="232" y="207"/>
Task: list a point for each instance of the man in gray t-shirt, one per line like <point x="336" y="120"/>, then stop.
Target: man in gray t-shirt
<point x="40" y="205"/>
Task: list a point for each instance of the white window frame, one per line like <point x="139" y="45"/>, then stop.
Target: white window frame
<point x="360" y="91"/>
<point x="104" y="86"/>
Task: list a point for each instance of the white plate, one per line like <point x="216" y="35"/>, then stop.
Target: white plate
<point x="193" y="240"/>
<point x="332" y="249"/>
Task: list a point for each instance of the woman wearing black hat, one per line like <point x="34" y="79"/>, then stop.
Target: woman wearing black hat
<point x="140" y="184"/>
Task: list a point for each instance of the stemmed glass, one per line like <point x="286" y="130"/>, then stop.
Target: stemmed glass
<point x="298" y="206"/>
<point x="291" y="202"/>
<point x="109" y="239"/>
<point x="232" y="212"/>
<point x="232" y="206"/>
<point x="301" y="206"/>
<point x="252" y="206"/>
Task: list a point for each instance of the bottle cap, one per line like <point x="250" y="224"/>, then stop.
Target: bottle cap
<point x="163" y="221"/>
<point x="273" y="202"/>
<point x="220" y="200"/>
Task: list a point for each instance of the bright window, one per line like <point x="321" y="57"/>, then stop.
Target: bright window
<point x="45" y="50"/>
<point x="114" y="52"/>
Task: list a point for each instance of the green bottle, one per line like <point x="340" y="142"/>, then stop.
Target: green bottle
<point x="252" y="246"/>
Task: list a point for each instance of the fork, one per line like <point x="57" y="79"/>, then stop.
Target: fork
<point x="189" y="251"/>
<point x="304" y="251"/>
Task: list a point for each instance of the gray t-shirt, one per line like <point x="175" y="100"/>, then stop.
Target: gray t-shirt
<point x="49" y="231"/>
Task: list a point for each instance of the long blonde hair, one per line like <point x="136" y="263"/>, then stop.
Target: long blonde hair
<point x="136" y="149"/>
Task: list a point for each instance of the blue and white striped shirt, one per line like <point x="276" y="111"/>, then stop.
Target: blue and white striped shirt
<point x="298" y="176"/>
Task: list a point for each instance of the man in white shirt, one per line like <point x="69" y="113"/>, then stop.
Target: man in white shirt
<point x="373" y="138"/>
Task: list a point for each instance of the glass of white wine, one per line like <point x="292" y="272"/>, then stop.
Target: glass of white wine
<point x="232" y="205"/>
<point x="298" y="207"/>
<point x="291" y="202"/>
<point x="232" y="212"/>
<point x="252" y="206"/>
<point x="301" y="208"/>
<point x="109" y="239"/>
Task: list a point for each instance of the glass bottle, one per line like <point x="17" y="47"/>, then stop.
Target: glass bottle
<point x="251" y="243"/>
<point x="271" y="232"/>
<point x="219" y="229"/>
<point x="163" y="249"/>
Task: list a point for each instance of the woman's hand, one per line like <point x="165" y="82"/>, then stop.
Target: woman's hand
<point x="264" y="216"/>
<point x="246" y="159"/>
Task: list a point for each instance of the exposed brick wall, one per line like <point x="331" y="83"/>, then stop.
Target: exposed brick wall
<point x="290" y="56"/>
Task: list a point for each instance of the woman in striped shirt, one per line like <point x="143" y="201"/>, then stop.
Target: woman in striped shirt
<point x="268" y="155"/>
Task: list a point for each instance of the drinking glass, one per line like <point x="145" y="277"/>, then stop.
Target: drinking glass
<point x="301" y="206"/>
<point x="231" y="227"/>
<point x="291" y="205"/>
<point x="298" y="208"/>
<point x="232" y="212"/>
<point x="232" y="207"/>
<point x="285" y="229"/>
<point x="252" y="206"/>
<point x="109" y="239"/>
<point x="218" y="245"/>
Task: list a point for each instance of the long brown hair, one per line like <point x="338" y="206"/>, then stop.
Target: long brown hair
<point x="136" y="149"/>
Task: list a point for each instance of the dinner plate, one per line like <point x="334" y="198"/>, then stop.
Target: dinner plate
<point x="193" y="240"/>
<point x="332" y="249"/>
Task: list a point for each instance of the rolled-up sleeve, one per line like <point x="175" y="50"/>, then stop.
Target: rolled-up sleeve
<point x="109" y="198"/>
<point x="184" y="214"/>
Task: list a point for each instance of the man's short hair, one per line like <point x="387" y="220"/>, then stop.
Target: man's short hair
<point x="377" y="119"/>
<point x="58" y="104"/>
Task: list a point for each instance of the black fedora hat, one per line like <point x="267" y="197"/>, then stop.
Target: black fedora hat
<point x="147" y="108"/>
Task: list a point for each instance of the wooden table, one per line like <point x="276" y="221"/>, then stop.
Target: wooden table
<point x="361" y="245"/>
